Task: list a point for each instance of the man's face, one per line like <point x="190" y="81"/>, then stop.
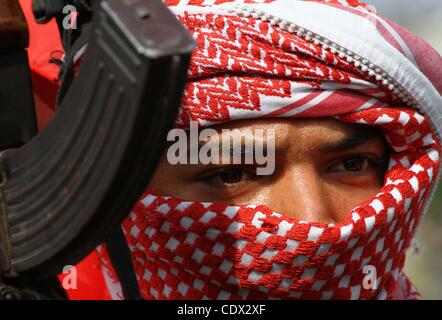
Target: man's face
<point x="323" y="169"/>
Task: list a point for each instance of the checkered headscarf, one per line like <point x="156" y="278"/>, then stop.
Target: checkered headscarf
<point x="289" y="58"/>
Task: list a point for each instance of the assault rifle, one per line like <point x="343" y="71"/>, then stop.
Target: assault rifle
<point x="64" y="190"/>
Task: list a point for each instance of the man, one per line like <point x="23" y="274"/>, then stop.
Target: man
<point x="349" y="97"/>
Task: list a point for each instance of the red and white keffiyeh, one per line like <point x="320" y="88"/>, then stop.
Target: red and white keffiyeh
<point x="288" y="58"/>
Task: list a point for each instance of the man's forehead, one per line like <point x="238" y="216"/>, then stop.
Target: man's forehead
<point x="286" y="130"/>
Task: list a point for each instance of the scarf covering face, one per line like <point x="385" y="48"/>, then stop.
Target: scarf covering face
<point x="291" y="58"/>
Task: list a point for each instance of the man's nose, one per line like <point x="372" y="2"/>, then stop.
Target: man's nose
<point x="301" y="193"/>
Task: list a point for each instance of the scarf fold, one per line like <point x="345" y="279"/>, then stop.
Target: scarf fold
<point x="249" y="65"/>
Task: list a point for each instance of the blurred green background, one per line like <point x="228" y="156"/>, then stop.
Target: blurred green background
<point x="423" y="17"/>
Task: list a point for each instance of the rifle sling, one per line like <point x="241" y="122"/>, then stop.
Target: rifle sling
<point x="120" y="257"/>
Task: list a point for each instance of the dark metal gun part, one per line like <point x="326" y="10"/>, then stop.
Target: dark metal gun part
<point x="70" y="186"/>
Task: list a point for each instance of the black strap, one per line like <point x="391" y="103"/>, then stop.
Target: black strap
<point x="119" y="254"/>
<point x="67" y="74"/>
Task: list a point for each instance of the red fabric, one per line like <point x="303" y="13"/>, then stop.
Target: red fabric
<point x="229" y="79"/>
<point x="44" y="42"/>
<point x="90" y="281"/>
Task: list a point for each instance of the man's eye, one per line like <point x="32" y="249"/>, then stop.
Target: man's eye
<point x="227" y="176"/>
<point x="355" y="164"/>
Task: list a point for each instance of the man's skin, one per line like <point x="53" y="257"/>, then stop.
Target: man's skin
<point x="323" y="169"/>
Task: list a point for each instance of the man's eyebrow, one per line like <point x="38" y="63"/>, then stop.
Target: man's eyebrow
<point x="356" y="138"/>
